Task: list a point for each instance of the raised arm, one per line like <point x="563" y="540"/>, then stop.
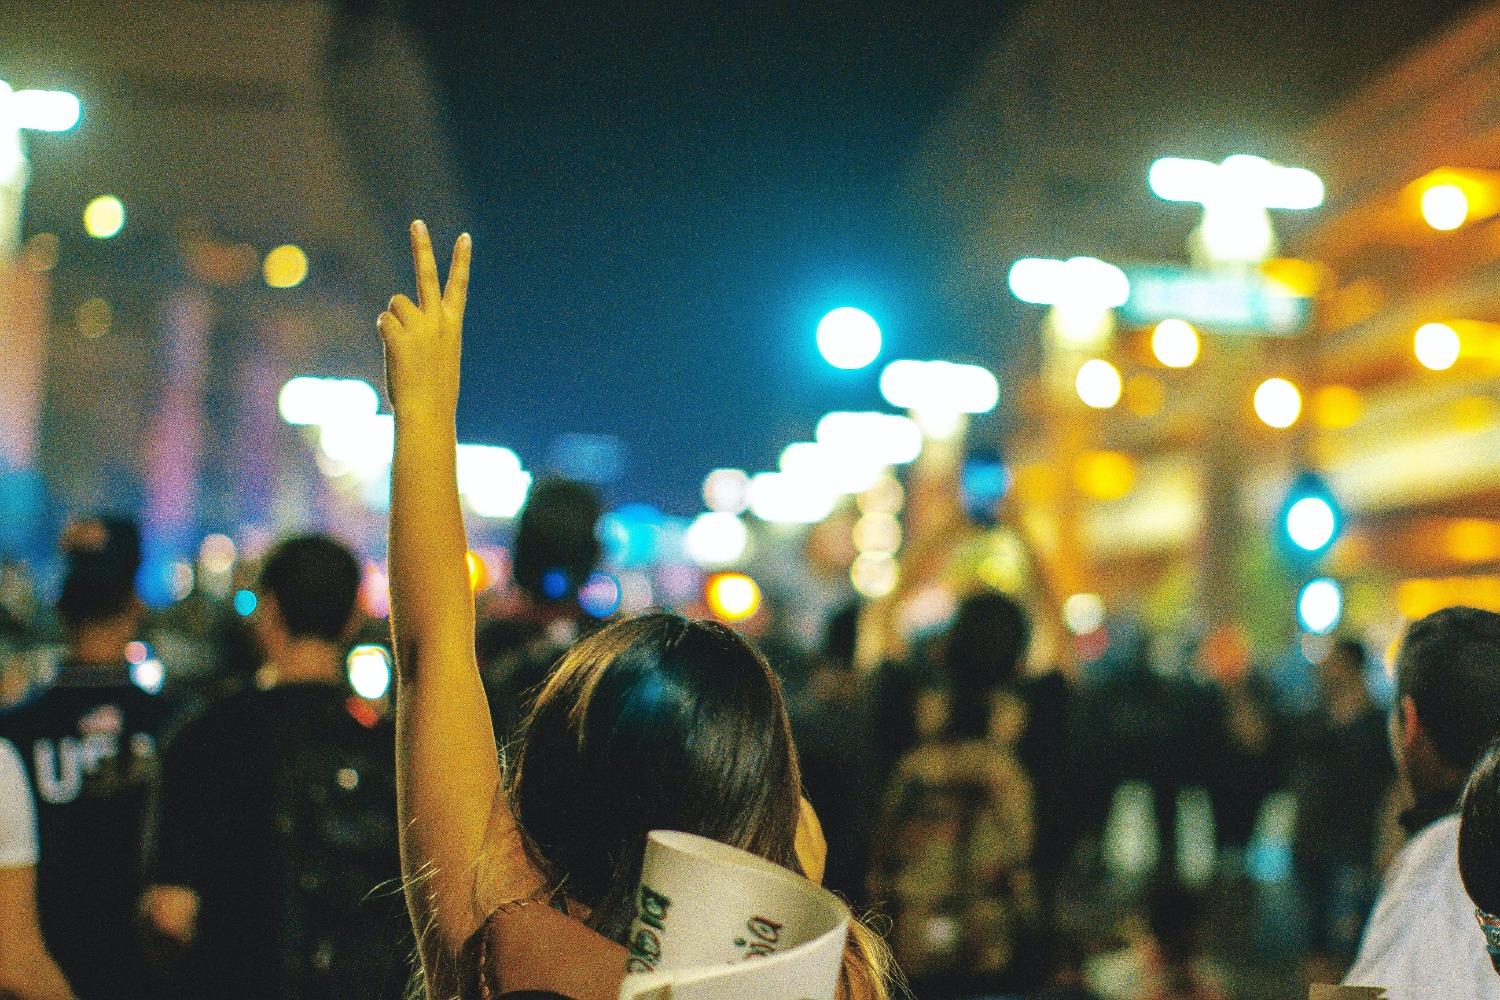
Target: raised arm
<point x="449" y="795"/>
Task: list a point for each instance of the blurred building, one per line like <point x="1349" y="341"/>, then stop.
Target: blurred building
<point x="1403" y="362"/>
<point x="1166" y="500"/>
<point x="226" y="131"/>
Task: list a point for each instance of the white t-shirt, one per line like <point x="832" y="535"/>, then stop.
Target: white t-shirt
<point x="1422" y="940"/>
<point x="18" y="844"/>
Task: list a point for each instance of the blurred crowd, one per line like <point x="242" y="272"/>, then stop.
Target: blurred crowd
<point x="198" y="802"/>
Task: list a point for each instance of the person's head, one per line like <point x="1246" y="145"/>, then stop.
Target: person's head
<point x="98" y="607"/>
<point x="985" y="649"/>
<point x="556" y="547"/>
<point x="307" y="591"/>
<point x="1342" y="671"/>
<point x="655" y="722"/>
<point x="841" y="636"/>
<point x="1447" y="706"/>
<point x="1479" y="846"/>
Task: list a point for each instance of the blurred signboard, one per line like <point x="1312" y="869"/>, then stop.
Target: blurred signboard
<point x="1247" y="303"/>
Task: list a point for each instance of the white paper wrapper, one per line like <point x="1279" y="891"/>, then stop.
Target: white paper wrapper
<point x="716" y="922"/>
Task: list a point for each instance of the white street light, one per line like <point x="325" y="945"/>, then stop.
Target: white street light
<point x="1235" y="195"/>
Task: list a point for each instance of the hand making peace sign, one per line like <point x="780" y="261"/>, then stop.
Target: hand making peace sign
<point x="423" y="340"/>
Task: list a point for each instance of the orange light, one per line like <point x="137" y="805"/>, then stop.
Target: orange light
<point x="1336" y="407"/>
<point x="478" y="574"/>
<point x="1144" y="395"/>
<point x="1104" y="475"/>
<point x="732" y="597"/>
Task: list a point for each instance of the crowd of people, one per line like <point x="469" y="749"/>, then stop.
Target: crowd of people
<point x="261" y="829"/>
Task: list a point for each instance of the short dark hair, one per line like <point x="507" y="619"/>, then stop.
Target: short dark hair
<point x="103" y="555"/>
<point x="1450" y="668"/>
<point x="986" y="647"/>
<point x="315" y="581"/>
<point x="1479" y="833"/>
<point x="556" y="547"/>
<point x="1353" y="651"/>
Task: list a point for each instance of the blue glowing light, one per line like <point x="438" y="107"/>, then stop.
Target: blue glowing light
<point x="244" y="603"/>
<point x="600" y="595"/>
<point x="554" y="584"/>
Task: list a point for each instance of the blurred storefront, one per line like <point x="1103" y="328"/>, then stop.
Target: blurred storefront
<point x="228" y="212"/>
<point x="1155" y="465"/>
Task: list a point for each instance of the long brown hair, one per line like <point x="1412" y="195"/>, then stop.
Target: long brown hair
<point x="661" y="722"/>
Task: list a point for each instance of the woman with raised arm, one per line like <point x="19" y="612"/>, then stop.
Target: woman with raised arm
<point x="520" y="878"/>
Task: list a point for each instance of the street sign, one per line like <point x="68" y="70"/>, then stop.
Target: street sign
<point x="1247" y="303"/>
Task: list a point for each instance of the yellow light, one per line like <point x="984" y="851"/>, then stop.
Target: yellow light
<point x="1437" y="346"/>
<point x="1421" y="597"/>
<point x="1445" y="207"/>
<point x="1278" y="403"/>
<point x="1298" y="277"/>
<point x="885" y="497"/>
<point x="1104" y="475"/>
<point x="877" y="533"/>
<point x="94" y="318"/>
<point x="732" y="597"/>
<point x="285" y="267"/>
<point x="478" y="573"/>
<point x="1474" y="413"/>
<point x="1336" y="407"/>
<point x="1099" y="384"/>
<point x="1144" y="395"/>
<point x="874" y="574"/>
<point x="104" y="217"/>
<point x="1175" y="343"/>
<point x="1472" y="540"/>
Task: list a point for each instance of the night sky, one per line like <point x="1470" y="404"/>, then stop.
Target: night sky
<point x="668" y="196"/>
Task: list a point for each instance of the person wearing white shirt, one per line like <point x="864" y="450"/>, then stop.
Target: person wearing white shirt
<point x="1422" y="940"/>
<point x="27" y="970"/>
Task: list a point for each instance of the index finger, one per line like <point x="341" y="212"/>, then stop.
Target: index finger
<point x="428" y="290"/>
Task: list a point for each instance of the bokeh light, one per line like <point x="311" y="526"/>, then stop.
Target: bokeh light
<point x="874" y="574"/>
<point x="1083" y="613"/>
<point x="94" y="318"/>
<point x="307" y="401"/>
<point x="600" y="595"/>
<point x="1311" y="523"/>
<point x="1175" y="343"/>
<point x="150" y="675"/>
<point x="368" y="668"/>
<point x="285" y="267"/>
<point x="1098" y="384"/>
<point x="877" y="533"/>
<point x="104" y="217"/>
<point x="1437" y="346"/>
<point x="1320" y="606"/>
<point x="1278" y="403"/>
<point x="939" y="387"/>
<point x="45" y="110"/>
<point x="1336" y="407"/>
<point x="1104" y="475"/>
<point x="784" y="499"/>
<point x="1445" y="207"/>
<point x="732" y="597"/>
<point x="244" y="603"/>
<point x="716" y="538"/>
<point x="849" y="338"/>
<point x="726" y="490"/>
<point x="216" y="554"/>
